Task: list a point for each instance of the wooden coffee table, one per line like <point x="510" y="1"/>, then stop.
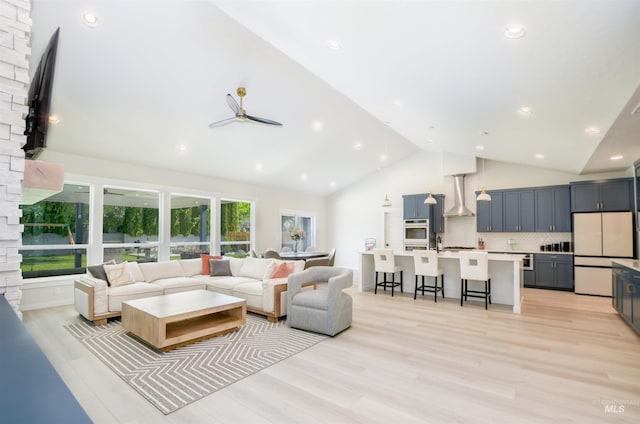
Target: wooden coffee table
<point x="172" y="320"/>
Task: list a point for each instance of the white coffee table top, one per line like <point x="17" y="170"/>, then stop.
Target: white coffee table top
<point x="184" y="302"/>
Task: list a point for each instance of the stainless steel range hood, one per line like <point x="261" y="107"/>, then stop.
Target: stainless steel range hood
<point x="458" y="209"/>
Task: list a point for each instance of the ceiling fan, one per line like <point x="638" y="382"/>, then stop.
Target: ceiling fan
<point x="241" y="114"/>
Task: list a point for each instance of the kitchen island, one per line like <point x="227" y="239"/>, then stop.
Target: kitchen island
<point x="505" y="269"/>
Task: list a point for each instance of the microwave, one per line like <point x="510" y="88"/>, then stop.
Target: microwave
<point x="416" y="231"/>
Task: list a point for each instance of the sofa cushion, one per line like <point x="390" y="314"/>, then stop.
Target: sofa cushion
<point x="220" y="268"/>
<point x="251" y="292"/>
<point x="156" y="270"/>
<point x="97" y="271"/>
<point x="315" y="299"/>
<point x="205" y="263"/>
<point x="283" y="270"/>
<point x="235" y="264"/>
<point x="224" y="285"/>
<point x="118" y="274"/>
<point x="136" y="274"/>
<point x="257" y="268"/>
<point x="180" y="284"/>
<point x="117" y="295"/>
<point x="191" y="267"/>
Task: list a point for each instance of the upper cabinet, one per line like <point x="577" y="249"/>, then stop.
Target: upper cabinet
<point x="553" y="209"/>
<point x="519" y="210"/>
<point x="489" y="214"/>
<point x="602" y="196"/>
<point x="414" y="207"/>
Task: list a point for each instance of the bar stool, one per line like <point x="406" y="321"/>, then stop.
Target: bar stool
<point x="475" y="266"/>
<point x="384" y="261"/>
<point x="425" y="263"/>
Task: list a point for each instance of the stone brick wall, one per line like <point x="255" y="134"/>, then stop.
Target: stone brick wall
<point x="15" y="34"/>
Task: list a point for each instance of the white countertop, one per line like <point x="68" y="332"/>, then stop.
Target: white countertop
<point x="629" y="263"/>
<point x="505" y="257"/>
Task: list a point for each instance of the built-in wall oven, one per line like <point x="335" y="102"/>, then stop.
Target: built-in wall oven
<point x="416" y="231"/>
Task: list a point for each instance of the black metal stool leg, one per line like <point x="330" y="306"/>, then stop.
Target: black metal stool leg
<point x="442" y="284"/>
<point x="415" y="292"/>
<point x="375" y="290"/>
<point x="461" y="290"/>
<point x="394" y="279"/>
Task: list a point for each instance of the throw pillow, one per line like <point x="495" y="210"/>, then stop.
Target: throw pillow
<point x="283" y="270"/>
<point x="118" y="274"/>
<point x="97" y="271"/>
<point x="219" y="268"/>
<point x="205" y="263"/>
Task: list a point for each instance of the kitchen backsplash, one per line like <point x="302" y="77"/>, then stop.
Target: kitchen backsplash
<point x="462" y="232"/>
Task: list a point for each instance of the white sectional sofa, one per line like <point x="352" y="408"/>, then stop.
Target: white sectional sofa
<point x="261" y="282"/>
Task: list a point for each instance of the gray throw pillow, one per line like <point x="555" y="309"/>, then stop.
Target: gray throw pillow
<point x="97" y="271"/>
<point x="219" y="268"/>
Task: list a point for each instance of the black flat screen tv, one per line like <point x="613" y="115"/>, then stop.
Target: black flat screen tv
<point x="37" y="120"/>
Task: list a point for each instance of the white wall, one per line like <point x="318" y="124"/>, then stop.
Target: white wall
<point x="354" y="213"/>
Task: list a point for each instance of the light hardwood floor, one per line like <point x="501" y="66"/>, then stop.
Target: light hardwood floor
<point x="564" y="359"/>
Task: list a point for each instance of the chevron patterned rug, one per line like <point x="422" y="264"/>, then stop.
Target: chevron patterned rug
<point x="173" y="379"/>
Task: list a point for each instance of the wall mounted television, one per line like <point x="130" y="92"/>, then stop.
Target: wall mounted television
<point x="39" y="100"/>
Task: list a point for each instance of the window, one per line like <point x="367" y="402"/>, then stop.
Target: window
<point x="190" y="224"/>
<point x="301" y="223"/>
<point x="130" y="225"/>
<point x="54" y="240"/>
<point x="235" y="227"/>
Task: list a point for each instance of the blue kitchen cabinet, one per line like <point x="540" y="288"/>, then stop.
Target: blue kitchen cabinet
<point x="626" y="294"/>
<point x="436" y="223"/>
<point x="602" y="196"/>
<point x="553" y="271"/>
<point x="553" y="209"/>
<point x="519" y="211"/>
<point x="489" y="214"/>
<point x="414" y="207"/>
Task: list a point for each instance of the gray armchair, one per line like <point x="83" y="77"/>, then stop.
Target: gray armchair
<point x="327" y="310"/>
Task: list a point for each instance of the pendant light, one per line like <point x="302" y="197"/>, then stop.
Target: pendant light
<point x="483" y="196"/>
<point x="386" y="202"/>
<point x="430" y="200"/>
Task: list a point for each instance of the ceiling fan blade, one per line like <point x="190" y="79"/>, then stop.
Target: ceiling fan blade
<point x="263" y="120"/>
<point x="222" y="123"/>
<point x="235" y="107"/>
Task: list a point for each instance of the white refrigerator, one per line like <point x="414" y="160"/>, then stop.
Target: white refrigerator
<point x="597" y="239"/>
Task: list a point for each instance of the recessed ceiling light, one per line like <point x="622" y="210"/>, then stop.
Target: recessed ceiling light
<point x="182" y="148"/>
<point x="525" y="111"/>
<point x="332" y="184"/>
<point x="539" y="156"/>
<point x="616" y="157"/>
<point x="479" y="147"/>
<point x="357" y="145"/>
<point x="483" y="132"/>
<point x="592" y="130"/>
<point x="334" y="44"/>
<point x="383" y="157"/>
<point x="90" y="19"/>
<point x="397" y="103"/>
<point x="514" y="32"/>
<point x="304" y="177"/>
<point x="259" y="166"/>
<point x="430" y="141"/>
<point x="53" y="119"/>
<point x="316" y="126"/>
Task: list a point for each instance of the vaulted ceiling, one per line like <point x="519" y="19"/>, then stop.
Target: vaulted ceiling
<point x="358" y="84"/>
